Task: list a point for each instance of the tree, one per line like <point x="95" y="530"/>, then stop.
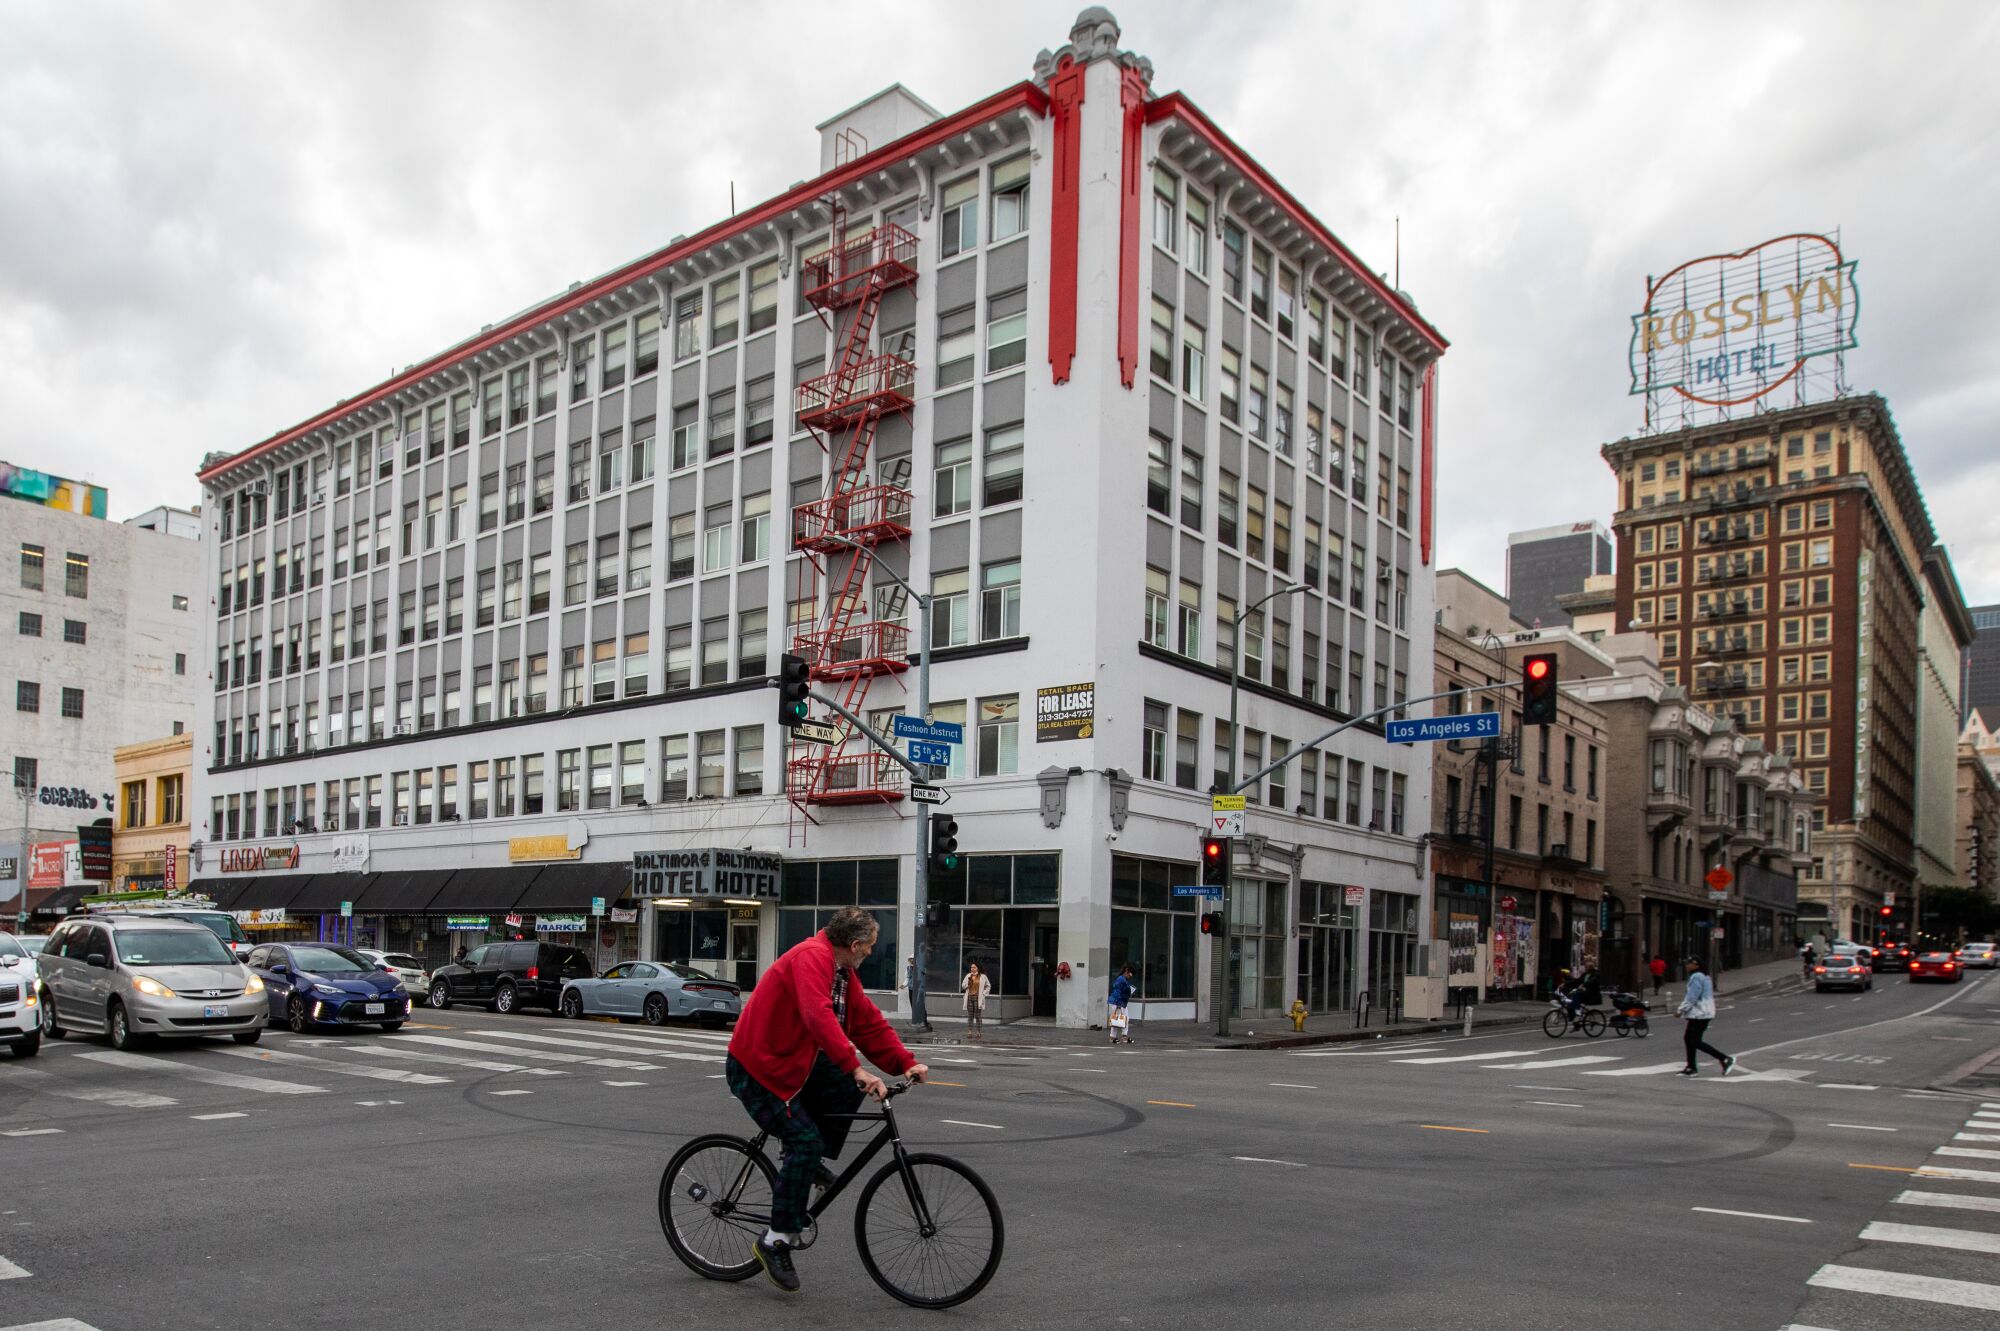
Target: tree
<point x="1947" y="910"/>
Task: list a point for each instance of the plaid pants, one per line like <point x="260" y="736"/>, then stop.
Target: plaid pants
<point x="805" y="1141"/>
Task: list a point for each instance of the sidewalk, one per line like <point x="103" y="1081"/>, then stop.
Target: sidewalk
<point x="1320" y="1028"/>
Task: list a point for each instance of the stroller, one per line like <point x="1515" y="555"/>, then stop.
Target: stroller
<point x="1628" y="1013"/>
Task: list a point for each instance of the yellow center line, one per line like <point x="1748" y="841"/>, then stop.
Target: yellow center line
<point x="1171" y="1104"/>
<point x="959" y="1084"/>
<point x="1894" y="1169"/>
<point x="1442" y="1127"/>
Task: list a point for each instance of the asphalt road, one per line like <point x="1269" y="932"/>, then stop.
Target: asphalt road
<point x="476" y="1171"/>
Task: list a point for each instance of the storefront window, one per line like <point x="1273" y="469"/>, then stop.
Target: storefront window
<point x="814" y="890"/>
<point x="1152" y="930"/>
<point x="1003" y="917"/>
<point x="1326" y="947"/>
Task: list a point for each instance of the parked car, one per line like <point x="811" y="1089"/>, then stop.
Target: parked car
<point x="1983" y="956"/>
<point x="20" y="999"/>
<point x="656" y="991"/>
<point x="218" y="922"/>
<point x="320" y="984"/>
<point x="508" y="976"/>
<point x="31" y="943"/>
<point x="1936" y="966"/>
<point x="132" y="977"/>
<point x="411" y="971"/>
<point x="1840" y="969"/>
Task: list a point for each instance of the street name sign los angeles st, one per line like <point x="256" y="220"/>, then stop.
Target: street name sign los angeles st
<point x="1471" y="725"/>
<point x="1728" y="329"/>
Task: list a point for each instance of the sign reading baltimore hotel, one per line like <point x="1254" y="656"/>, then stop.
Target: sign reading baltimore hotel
<point x="706" y="873"/>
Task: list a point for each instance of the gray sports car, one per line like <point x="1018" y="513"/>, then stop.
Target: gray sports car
<point x="656" y="991"/>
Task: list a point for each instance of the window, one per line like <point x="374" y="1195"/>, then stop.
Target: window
<point x="952" y="478"/>
<point x="673" y="767"/>
<point x="1260" y="396"/>
<point x="1159" y="474"/>
<point x="1191" y="468"/>
<point x="960" y="205"/>
<point x="1288" y="303"/>
<point x="27" y="696"/>
<point x="708" y="762"/>
<point x="1195" y="249"/>
<point x="1188" y="626"/>
<point x="1003" y="465"/>
<point x="1230" y="385"/>
<point x="763" y="296"/>
<point x="715" y="539"/>
<point x="1000" y="601"/>
<point x="949" y="609"/>
<point x="1226" y="508"/>
<point x="727" y="299"/>
<point x="1232" y="259"/>
<point x="1260" y="282"/>
<point x="1163" y="340"/>
<point x="639" y="557"/>
<point x="610" y="464"/>
<point x="1010" y="198"/>
<point x="956" y="345"/>
<point x="1156" y="607"/>
<point x="756" y="547"/>
<point x="721" y="422"/>
<point x="76" y="571"/>
<point x="646" y="349"/>
<point x="1282" y="422"/>
<point x="680" y="547"/>
<point x="30" y="625"/>
<point x="644" y="453"/>
<point x="1153" y="743"/>
<point x="752" y="639"/>
<point x="687" y="326"/>
<point x="1006" y="332"/>
<point x="999" y="735"/>
<point x="758" y="412"/>
<point x="72" y="703"/>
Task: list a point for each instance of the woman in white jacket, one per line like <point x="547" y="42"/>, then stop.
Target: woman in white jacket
<point x="977" y="989"/>
<point x="1698" y="1007"/>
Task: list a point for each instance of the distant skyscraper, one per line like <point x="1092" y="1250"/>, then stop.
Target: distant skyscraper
<point x="1982" y="665"/>
<point x="1546" y="563"/>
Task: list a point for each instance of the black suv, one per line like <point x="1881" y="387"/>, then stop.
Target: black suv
<point x="506" y="976"/>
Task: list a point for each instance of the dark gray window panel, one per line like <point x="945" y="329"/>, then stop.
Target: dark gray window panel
<point x="899" y="308"/>
<point x="1197" y="297"/>
<point x="687" y="384"/>
<point x="895" y="438"/>
<point x="1194" y="424"/>
<point x="679" y="601"/>
<point x="607" y="514"/>
<point x="512" y="542"/>
<point x="755" y="472"/>
<point x="718" y="481"/>
<point x="893" y="557"/>
<point x="454" y="562"/>
<point x="1256" y="471"/>
<point x="534" y="638"/>
<point x="378" y="672"/>
<point x="753" y="587"/>
<point x="385" y="499"/>
<point x="1261" y="341"/>
<point x="1382" y="646"/>
<point x="957" y="285"/>
<point x="1337" y="407"/>
<point x="635" y="614"/>
<point x="1314" y="505"/>
<point x="1227" y="574"/>
<point x="1232" y="325"/>
<point x="1403" y="552"/>
<point x="342" y="508"/>
<point x="1007" y="266"/>
<point x="722" y="369"/>
<point x="1229" y="452"/>
<point x="541" y="536"/>
<point x="1256" y="582"/>
<point x="611" y="408"/>
<point x="1011" y="302"/>
<point x="1159" y="545"/>
<point x="645" y="398"/>
<point x="480" y="650"/>
<point x="606" y="620"/>
<point x="682" y="494"/>
<point x="714" y="596"/>
<point x="575" y="629"/>
<point x="459" y="468"/>
<point x="545" y="436"/>
<point x="582" y="422"/>
<point x="809" y="341"/>
<point x="951" y="546"/>
<point x="951" y="416"/>
<point x="1402" y="657"/>
<point x="760" y="356"/>
<point x="1315" y="392"/>
<point x="1006" y="402"/>
<point x="1191" y="557"/>
<point x="1160" y="410"/>
<point x="514" y="448"/>
<point x="427" y="660"/>
<point x="1000" y="537"/>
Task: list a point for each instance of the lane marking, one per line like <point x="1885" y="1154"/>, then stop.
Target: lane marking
<point x="1967" y="1152"/>
<point x="120" y="1099"/>
<point x="1975" y="1137"/>
<point x="967" y="1123"/>
<point x="451" y="1060"/>
<point x="956" y="1084"/>
<point x="546" y="1055"/>
<point x="1844" y="1086"/>
<point x="1556" y="1104"/>
<point x="624" y="1083"/>
<point x="377" y="1104"/>
<point x="641" y="1047"/>
<point x="1577" y="1061"/>
<point x="1475" y="1058"/>
<point x="214" y="1118"/>
<point x="1172" y="1104"/>
<point x="339" y="1069"/>
<point x="9" y="1271"/>
<point x="1294" y="1085"/>
<point x="1753" y="1215"/>
<point x="514" y="1092"/>
<point x="1861" y="1127"/>
<point x="1442" y="1127"/>
<point x="1930" y="1236"/>
<point x="1896" y="1284"/>
<point x="141" y="1063"/>
<point x="32" y="1132"/>
<point x="1393" y="1052"/>
<point x="1654" y="1070"/>
<point x="1266" y="1160"/>
<point x="55" y="1324"/>
<point x="1894" y="1169"/>
<point x="1951" y="1200"/>
<point x="1960" y="1175"/>
<point x="1524" y="1086"/>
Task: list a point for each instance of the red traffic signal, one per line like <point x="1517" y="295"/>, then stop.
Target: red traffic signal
<point x="1215" y="861"/>
<point x="1887" y="911"/>
<point x="1539" y="685"/>
<point x="1537" y="667"/>
<point x="1211" y="922"/>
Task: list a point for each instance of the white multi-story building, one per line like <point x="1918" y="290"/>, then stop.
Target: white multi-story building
<point x="99" y="648"/>
<point x="1069" y="362"/>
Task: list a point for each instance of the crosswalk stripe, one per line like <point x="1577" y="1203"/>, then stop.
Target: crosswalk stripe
<point x="1899" y="1285"/>
<point x="9" y="1271"/>
<point x="1475" y="1058"/>
<point x="1365" y="1053"/>
<point x="56" y="1324"/>
<point x="570" y="1042"/>
<point x="141" y="1063"/>
<point x="117" y="1099"/>
<point x="537" y="1055"/>
<point x="1650" y="1070"/>
<point x="1975" y="1137"/>
<point x="1577" y="1061"/>
<point x="1954" y="1201"/>
<point x="448" y="1060"/>
<point x="1965" y="1240"/>
<point x="1959" y="1175"/>
<point x="340" y="1069"/>
<point x="1968" y="1152"/>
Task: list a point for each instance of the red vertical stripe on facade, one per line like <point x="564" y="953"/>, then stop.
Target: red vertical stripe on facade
<point x="1427" y="518"/>
<point x="1066" y="103"/>
<point x="1132" y="96"/>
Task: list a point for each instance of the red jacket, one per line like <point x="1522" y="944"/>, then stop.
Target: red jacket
<point x="789" y="1019"/>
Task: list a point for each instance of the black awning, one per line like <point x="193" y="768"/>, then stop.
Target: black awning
<point x="402" y="892"/>
<point x="64" y="899"/>
<point x="222" y="891"/>
<point x="471" y="891"/>
<point x="323" y="892"/>
<point x="271" y="891"/>
<point x="571" y="886"/>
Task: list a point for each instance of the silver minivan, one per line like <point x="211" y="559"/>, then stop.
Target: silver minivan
<point x="135" y="976"/>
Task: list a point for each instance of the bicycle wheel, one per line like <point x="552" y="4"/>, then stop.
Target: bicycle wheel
<point x="1641" y="1028"/>
<point x="1554" y="1023"/>
<point x="715" y="1203"/>
<point x="940" y="1264"/>
<point x="1593" y="1024"/>
<point x="1620" y="1027"/>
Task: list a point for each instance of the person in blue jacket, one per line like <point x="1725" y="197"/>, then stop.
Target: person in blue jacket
<point x="1122" y="989"/>
<point x="1698" y="1008"/>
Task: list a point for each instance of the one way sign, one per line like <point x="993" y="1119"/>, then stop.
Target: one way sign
<point x="1225" y="816"/>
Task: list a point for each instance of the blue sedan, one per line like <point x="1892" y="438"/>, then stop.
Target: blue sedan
<point x="654" y="990"/>
<point x="314" y="984"/>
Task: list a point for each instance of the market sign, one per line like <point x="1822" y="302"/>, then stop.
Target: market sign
<point x="259" y="859"/>
<point x="555" y="847"/>
<point x="706" y="873"/>
<point x="1727" y="329"/>
<point x="1067" y="711"/>
<point x="562" y="924"/>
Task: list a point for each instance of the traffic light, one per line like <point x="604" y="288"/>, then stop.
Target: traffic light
<point x="944" y="843"/>
<point x="794" y="687"/>
<point x="1215" y="861"/>
<point x="1887" y="911"/>
<point x="936" y="914"/>
<point x="1211" y="922"/>
<point x="1538" y="689"/>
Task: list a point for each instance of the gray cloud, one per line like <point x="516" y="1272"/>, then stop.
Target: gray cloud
<point x="219" y="218"/>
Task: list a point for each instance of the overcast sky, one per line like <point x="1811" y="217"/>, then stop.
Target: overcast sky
<point x="217" y="219"/>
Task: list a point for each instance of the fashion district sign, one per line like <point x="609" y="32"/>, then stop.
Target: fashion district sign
<point x="715" y="872"/>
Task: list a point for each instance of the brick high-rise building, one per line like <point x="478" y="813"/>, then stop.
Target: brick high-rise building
<point x="1780" y="559"/>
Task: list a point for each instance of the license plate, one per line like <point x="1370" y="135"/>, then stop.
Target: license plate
<point x="719" y="1003"/>
<point x="221" y="1011"/>
<point x="375" y="1009"/>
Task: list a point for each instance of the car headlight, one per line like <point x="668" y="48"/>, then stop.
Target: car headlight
<point x="255" y="985"/>
<point x="328" y="990"/>
<point x="151" y="987"/>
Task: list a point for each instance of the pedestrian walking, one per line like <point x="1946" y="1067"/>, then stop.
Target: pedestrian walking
<point x="1658" y="967"/>
<point x="1122" y="988"/>
<point x="913" y="985"/>
<point x="977" y="989"/>
<point x="1698" y="1008"/>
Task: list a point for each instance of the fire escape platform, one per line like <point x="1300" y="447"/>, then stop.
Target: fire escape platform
<point x="867" y="516"/>
<point x="859" y="266"/>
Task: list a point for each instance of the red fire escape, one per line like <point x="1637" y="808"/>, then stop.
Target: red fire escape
<point x="847" y="643"/>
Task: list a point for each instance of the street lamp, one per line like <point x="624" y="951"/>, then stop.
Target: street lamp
<point x="919" y="1016"/>
<point x="1235" y="748"/>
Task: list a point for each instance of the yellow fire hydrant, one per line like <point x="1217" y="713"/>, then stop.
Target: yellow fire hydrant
<point x="1298" y="1014"/>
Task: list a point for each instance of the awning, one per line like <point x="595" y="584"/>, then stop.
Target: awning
<point x="272" y="891"/>
<point x="401" y="892"/>
<point x="222" y="891"/>
<point x="571" y="886"/>
<point x="64" y="899"/>
<point x="471" y="891"/>
<point x="323" y="892"/>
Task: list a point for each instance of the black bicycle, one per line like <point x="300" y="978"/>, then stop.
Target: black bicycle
<point x="928" y="1228"/>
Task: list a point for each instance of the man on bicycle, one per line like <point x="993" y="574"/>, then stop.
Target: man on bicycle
<point x="793" y="1061"/>
<point x="1581" y="992"/>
